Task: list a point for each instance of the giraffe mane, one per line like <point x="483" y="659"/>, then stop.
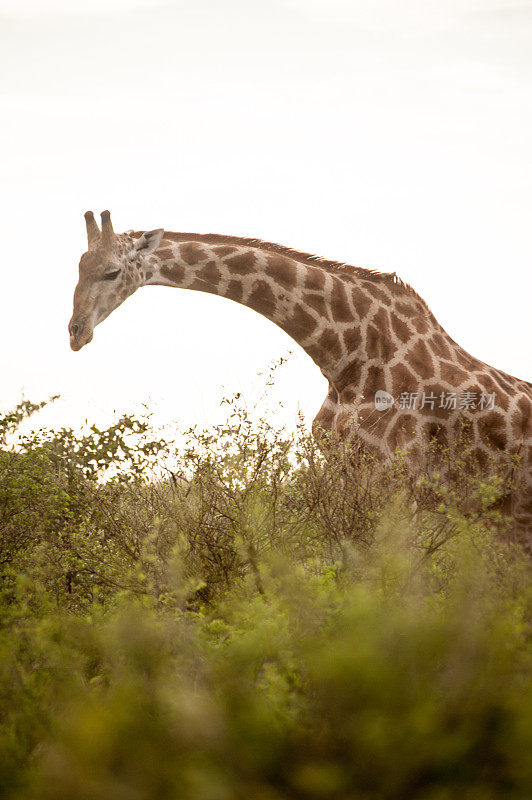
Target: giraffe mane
<point x="390" y="278"/>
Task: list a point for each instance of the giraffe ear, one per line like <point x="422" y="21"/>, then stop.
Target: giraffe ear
<point x="149" y="241"/>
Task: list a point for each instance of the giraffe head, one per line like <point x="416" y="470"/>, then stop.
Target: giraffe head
<point x="109" y="271"/>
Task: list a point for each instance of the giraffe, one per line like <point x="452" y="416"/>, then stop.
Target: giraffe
<point x="395" y="376"/>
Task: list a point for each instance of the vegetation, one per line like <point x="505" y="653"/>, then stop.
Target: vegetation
<point x="250" y="616"/>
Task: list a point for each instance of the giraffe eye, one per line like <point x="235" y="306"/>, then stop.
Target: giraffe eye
<point x="110" y="276"/>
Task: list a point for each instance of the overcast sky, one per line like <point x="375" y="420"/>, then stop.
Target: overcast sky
<point x="389" y="135"/>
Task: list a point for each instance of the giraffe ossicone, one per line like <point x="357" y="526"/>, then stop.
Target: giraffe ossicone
<point x="370" y="334"/>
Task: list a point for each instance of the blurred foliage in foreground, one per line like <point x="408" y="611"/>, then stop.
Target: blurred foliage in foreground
<point x="247" y="617"/>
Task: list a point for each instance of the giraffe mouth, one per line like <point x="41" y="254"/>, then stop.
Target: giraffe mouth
<point x="77" y="344"/>
<point x="79" y="337"/>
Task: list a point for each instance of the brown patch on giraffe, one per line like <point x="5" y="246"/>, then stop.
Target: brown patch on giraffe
<point x="243" y="263"/>
<point x="347" y="396"/>
<point x="317" y="302"/>
<point x="452" y="374"/>
<point x="480" y="457"/>
<point x="376" y="451"/>
<point x="430" y="396"/>
<point x="508" y="385"/>
<point x="361" y="302"/>
<point x="375" y="380"/>
<point x="400" y="328"/>
<point x="366" y="414"/>
<point x="329" y="343"/>
<point x="436" y="433"/>
<point x="173" y="272"/>
<point x="381" y="320"/>
<point x="349" y="376"/>
<point x="492" y="430"/>
<point x="192" y="253"/>
<point x="501" y="380"/>
<point x="234" y="290"/>
<point x="427" y="312"/>
<point x="210" y="272"/>
<point x="314" y="279"/>
<point x="475" y="391"/>
<point x="404" y="308"/>
<point x="521" y="420"/>
<point x="402" y="431"/>
<point x="372" y="343"/>
<point x="420" y="324"/>
<point x="420" y="360"/>
<point x="525" y="405"/>
<point x="387" y="347"/>
<point x="439" y="346"/>
<point x="377" y="292"/>
<point x="223" y="250"/>
<point x="202" y="286"/>
<point x="324" y="418"/>
<point x="301" y="324"/>
<point x="490" y="387"/>
<point x="148" y="275"/>
<point x="344" y="421"/>
<point x="526" y="387"/>
<point x="262" y="299"/>
<point x="283" y="270"/>
<point x="341" y="311"/>
<point x="315" y="352"/>
<point x="403" y="380"/>
<point x="373" y="421"/>
<point x="352" y="339"/>
<point x="464" y="429"/>
<point x="501" y="399"/>
<point x="165" y="253"/>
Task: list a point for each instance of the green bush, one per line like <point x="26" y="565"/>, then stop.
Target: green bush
<point x="250" y="615"/>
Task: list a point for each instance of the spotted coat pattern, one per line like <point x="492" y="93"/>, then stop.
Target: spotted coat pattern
<point x="366" y="331"/>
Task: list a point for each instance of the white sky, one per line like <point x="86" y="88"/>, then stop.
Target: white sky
<point x="390" y="135"/>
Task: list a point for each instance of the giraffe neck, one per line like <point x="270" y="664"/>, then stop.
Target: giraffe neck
<point x="355" y="325"/>
<point x="348" y="321"/>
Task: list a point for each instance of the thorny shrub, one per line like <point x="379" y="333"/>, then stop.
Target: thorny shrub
<point x="251" y="614"/>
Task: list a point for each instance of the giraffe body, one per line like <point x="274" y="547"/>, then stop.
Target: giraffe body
<point x="367" y="331"/>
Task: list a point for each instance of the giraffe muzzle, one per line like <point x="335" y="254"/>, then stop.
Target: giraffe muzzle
<point x="80" y="335"/>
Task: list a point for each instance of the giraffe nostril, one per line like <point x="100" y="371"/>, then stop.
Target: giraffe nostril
<point x="73" y="329"/>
